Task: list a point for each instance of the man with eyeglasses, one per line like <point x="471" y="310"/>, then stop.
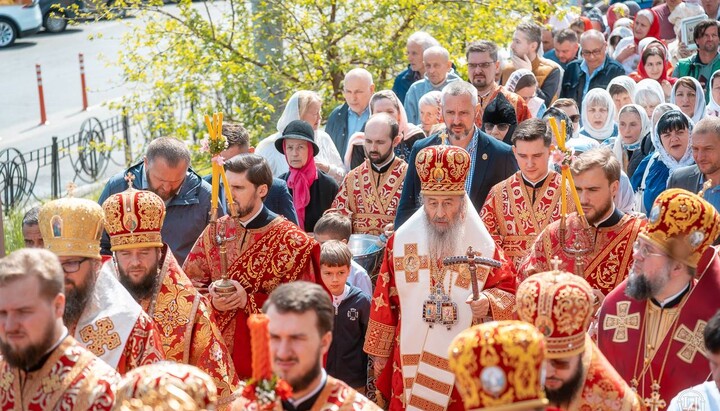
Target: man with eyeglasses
<point x="42" y="367"/>
<point x="99" y="313"/>
<point x="165" y="170"/>
<point x="594" y="70"/>
<point x="483" y="67"/>
<point x="148" y="270"/>
<point x="520" y="207"/>
<point x="651" y="326"/>
<point x="561" y="306"/>
<point x="600" y="252"/>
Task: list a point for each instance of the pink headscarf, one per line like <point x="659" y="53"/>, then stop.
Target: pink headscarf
<point x="299" y="182"/>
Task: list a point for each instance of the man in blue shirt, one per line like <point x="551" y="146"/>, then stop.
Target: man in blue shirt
<point x="417" y="43"/>
<point x="706" y="153"/>
<point x="566" y="48"/>
<point x="349" y="118"/>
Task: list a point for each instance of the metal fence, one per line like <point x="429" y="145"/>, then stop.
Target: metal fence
<point x="88" y="152"/>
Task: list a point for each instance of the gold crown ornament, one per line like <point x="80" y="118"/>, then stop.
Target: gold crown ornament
<point x="72" y="227"/>
<point x="499" y="366"/>
<point x="560" y="305"/>
<point x="442" y="170"/>
<point x="682" y="224"/>
<point x="134" y="218"/>
<point x="166" y="385"/>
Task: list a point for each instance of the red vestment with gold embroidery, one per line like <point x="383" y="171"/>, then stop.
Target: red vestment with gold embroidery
<point x="369" y="198"/>
<point x="512" y="218"/>
<point x="260" y="260"/>
<point x="72" y="378"/>
<point x="188" y="333"/>
<point x="671" y="338"/>
<point x="418" y="367"/>
<point x="604" y="267"/>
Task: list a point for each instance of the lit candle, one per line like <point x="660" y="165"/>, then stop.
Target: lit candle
<point x="260" y="347"/>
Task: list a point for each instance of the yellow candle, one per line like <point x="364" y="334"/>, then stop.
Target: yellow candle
<point x="563" y="195"/>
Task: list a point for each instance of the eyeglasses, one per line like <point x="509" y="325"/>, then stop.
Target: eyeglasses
<point x="502" y="127"/>
<point x="592" y="53"/>
<point x="644" y="251"/>
<point x="575" y="118"/>
<point x="73" y="266"/>
<point x="485" y="65"/>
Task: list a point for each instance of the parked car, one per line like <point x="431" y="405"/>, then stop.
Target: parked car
<point x="56" y="14"/>
<point x="18" y="20"/>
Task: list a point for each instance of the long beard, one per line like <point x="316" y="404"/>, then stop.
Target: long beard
<point x="29" y="356"/>
<point x="145" y="288"/>
<point x="639" y="287"/>
<point x="76" y="299"/>
<point x="565" y="394"/>
<point x="444" y="243"/>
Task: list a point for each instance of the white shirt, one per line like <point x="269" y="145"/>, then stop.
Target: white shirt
<point x="703" y="397"/>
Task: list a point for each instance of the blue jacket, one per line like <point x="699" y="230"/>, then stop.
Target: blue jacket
<point x="278" y="199"/>
<point x="573" y="82"/>
<point x="337" y="127"/>
<point x="346" y="359"/>
<point x="494" y="163"/>
<point x="403" y="81"/>
<point x="187" y="214"/>
<point x="655" y="183"/>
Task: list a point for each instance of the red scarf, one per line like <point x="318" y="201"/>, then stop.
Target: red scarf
<point x="299" y="182"/>
<point x="666" y="67"/>
<point x="654" y="28"/>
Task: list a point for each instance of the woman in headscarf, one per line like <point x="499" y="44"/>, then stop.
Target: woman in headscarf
<point x="646" y="145"/>
<point x="598" y="116"/>
<point x="713" y="108"/>
<point x="303" y="105"/>
<point x="634" y="128"/>
<point x="649" y="94"/>
<point x="312" y="190"/>
<point x="647" y="24"/>
<point x="385" y="101"/>
<point x="622" y="91"/>
<point x="654" y="65"/>
<point x="672" y="140"/>
<point x="618" y="33"/>
<point x="499" y="119"/>
<point x="688" y="94"/>
<point x="430" y="113"/>
<point x="524" y="83"/>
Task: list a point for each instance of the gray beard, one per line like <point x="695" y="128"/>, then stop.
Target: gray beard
<point x="444" y="243"/>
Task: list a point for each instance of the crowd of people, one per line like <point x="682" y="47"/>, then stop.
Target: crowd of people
<point x="547" y="220"/>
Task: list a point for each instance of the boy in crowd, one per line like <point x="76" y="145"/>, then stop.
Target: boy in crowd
<point x="346" y="359"/>
<point x="335" y="226"/>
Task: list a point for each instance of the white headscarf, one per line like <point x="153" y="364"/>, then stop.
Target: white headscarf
<point x="664" y="156"/>
<point x="619" y="147"/>
<point x="713" y="107"/>
<point x="536" y="103"/>
<point x="594" y="97"/>
<point x="699" y="112"/>
<point x="647" y="86"/>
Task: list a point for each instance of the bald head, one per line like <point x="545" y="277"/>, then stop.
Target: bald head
<point x="437" y="64"/>
<point x="593" y="49"/>
<point x="417" y="43"/>
<point x="381" y="136"/>
<point x="357" y="89"/>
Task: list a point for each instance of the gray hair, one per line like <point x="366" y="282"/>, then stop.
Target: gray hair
<point x="171" y="149"/>
<point x="592" y="35"/>
<point x="360" y="73"/>
<point x="459" y="88"/>
<point x="423" y="40"/>
<point x="437" y="50"/>
<point x="433" y="98"/>
<point x="31" y="217"/>
<point x="644" y="97"/>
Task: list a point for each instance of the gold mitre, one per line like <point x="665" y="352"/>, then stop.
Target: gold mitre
<point x="134" y="218"/>
<point x="72" y="227"/>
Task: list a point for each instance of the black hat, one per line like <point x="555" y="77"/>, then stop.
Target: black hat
<point x="297" y="130"/>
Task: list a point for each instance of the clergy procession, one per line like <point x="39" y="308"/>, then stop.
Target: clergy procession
<point x="537" y="232"/>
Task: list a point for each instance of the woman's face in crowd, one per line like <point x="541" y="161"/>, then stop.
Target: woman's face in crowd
<point x="630" y="127"/>
<point x="675" y="142"/>
<point x="429" y="116"/>
<point x="597" y="115"/>
<point x="620" y="100"/>
<point x="385" y="105"/>
<point x="312" y="114"/>
<point x="641" y="28"/>
<point x="716" y="89"/>
<point x="654" y="67"/>
<point x="649" y="107"/>
<point x="296" y="152"/>
<point x="685" y="99"/>
<point x="527" y="93"/>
